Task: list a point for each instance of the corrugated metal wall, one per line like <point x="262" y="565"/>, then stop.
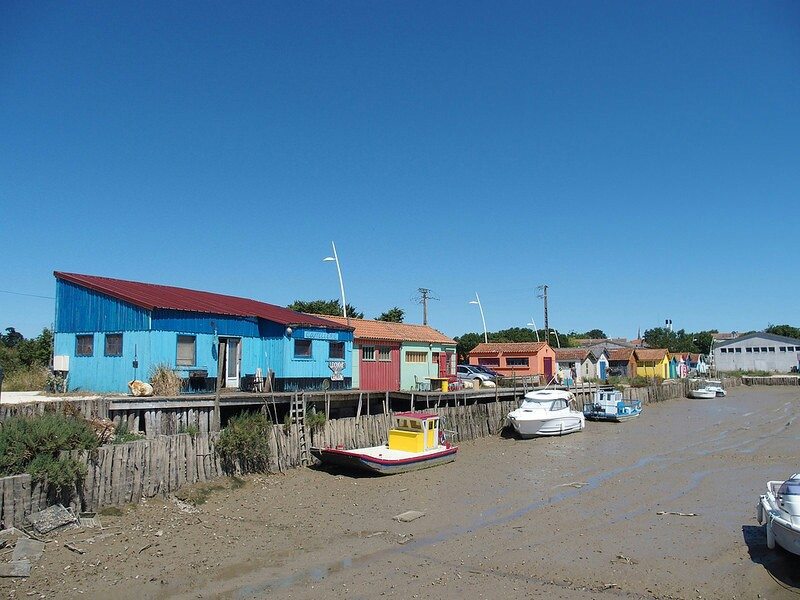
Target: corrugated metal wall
<point x="380" y="374"/>
<point x="82" y="310"/>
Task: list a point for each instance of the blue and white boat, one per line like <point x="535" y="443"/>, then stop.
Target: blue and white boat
<point x="608" y="405"/>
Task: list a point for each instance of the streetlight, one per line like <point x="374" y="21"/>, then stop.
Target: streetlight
<point x="558" y="341"/>
<point x="480" y="307"/>
<point x="536" y="331"/>
<point x="335" y="258"/>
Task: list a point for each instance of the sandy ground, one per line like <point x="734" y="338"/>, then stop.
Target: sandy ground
<point x="24" y="397"/>
<point x="572" y="517"/>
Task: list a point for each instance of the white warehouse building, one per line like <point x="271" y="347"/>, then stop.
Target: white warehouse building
<point x="758" y="352"/>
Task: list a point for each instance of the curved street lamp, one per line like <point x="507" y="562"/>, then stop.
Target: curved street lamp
<point x="533" y="325"/>
<point x="480" y="307"/>
<point x="335" y="258"/>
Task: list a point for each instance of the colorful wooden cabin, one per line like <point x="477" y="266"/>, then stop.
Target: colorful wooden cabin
<point x="415" y="432"/>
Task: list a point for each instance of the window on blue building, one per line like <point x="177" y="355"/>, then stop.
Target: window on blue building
<point x="302" y="348"/>
<point x="113" y="344"/>
<point x="336" y="350"/>
<point x="187" y="351"/>
<point x="84" y="345"/>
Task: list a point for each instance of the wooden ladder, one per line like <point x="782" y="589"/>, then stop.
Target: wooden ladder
<point x="297" y="416"/>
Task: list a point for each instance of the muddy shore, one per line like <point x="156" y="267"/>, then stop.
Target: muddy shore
<point x="572" y="517"/>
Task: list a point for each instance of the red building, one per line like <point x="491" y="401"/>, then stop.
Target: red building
<point x="516" y="358"/>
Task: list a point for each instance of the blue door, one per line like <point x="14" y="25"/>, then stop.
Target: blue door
<point x="602" y="370"/>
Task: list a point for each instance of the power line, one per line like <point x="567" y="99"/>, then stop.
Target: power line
<point x="29" y="295"/>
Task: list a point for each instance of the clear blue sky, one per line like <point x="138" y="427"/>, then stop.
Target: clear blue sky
<point x="642" y="158"/>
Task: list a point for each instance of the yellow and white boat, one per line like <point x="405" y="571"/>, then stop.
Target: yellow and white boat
<point x="417" y="442"/>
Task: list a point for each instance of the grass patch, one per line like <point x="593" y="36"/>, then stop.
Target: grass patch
<point x="26" y="379"/>
<point x="199" y="493"/>
<point x="122" y="434"/>
<point x="111" y="511"/>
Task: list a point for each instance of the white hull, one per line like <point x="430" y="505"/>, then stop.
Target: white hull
<point x="779" y="530"/>
<point x="702" y="394"/>
<point x="558" y="426"/>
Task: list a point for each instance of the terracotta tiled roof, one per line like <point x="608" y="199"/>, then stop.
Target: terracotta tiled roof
<point x="650" y="353"/>
<point x="694" y="357"/>
<point x="494" y="347"/>
<point x="620" y="353"/>
<point x="367" y="329"/>
<point x="151" y="296"/>
<point x="571" y="353"/>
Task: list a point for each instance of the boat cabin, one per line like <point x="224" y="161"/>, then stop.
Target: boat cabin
<point x="415" y="432"/>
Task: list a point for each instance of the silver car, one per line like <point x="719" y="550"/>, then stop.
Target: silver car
<point x="472" y="372"/>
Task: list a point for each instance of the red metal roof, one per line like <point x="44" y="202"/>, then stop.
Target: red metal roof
<point x="151" y="296"/>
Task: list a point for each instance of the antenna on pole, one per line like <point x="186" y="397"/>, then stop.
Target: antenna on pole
<point x="424" y="296"/>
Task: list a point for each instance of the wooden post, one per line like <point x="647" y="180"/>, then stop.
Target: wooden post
<point x="386" y="403"/>
<point x="217" y="421"/>
<point x="327" y="406"/>
<point x="358" y="410"/>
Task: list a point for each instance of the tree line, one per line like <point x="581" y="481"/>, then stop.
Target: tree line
<point x="18" y="353"/>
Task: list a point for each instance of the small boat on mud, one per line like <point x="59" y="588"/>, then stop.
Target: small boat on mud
<point x="702" y="394"/>
<point x="546" y="412"/>
<point x="417" y="442"/>
<point x="716" y="387"/>
<point x="779" y="511"/>
<point x="608" y="405"/>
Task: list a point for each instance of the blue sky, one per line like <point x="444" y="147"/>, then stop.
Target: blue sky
<point x="640" y="158"/>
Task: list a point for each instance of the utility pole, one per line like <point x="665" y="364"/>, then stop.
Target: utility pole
<point x="424" y="296"/>
<point x="541" y="292"/>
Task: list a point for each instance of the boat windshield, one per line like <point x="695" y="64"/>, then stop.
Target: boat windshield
<point x="557" y="404"/>
<point x="790" y="487"/>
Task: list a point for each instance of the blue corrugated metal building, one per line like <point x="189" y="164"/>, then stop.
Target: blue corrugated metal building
<point x="110" y="331"/>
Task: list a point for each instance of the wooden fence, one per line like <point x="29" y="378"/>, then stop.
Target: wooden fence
<point x="126" y="473"/>
<point x="773" y="380"/>
<point x="89" y="407"/>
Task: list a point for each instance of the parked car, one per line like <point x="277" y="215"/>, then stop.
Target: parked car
<point x="487" y="370"/>
<point x="473" y="372"/>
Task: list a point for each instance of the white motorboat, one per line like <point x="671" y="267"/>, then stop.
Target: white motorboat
<point x="779" y="511"/>
<point x="703" y="394"/>
<point x="717" y="389"/>
<point x="546" y="412"/>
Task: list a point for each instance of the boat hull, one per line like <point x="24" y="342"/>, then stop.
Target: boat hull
<point x="702" y="395"/>
<point x="779" y="530"/>
<point x="616" y="418"/>
<point x="359" y="461"/>
<point x="530" y="428"/>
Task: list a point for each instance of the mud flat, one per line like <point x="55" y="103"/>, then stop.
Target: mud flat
<point x="572" y="517"/>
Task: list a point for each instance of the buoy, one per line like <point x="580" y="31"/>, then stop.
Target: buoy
<point x="770" y="536"/>
<point x="760" y="513"/>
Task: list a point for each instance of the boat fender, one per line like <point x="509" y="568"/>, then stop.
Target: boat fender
<point x="447" y="445"/>
<point x="340" y="446"/>
<point x="770" y="535"/>
<point x="760" y="512"/>
<point x="442" y="438"/>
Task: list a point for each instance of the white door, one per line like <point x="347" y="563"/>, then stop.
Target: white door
<point x="232" y="360"/>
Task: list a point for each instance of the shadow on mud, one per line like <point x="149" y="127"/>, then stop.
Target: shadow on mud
<point x="782" y="565"/>
<point x="342" y="470"/>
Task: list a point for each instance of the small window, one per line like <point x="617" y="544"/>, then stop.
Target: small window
<point x="489" y="362"/>
<point x="113" y="344"/>
<point x="368" y="353"/>
<point x="384" y="353"/>
<point x="772" y="348"/>
<point x="748" y="349"/>
<point x="739" y="350"/>
<point x="782" y="348"/>
<point x="517" y="361"/>
<point x="435" y="357"/>
<point x="763" y="348"/>
<point x="416" y="357"/>
<point x="336" y="350"/>
<point x="187" y="350"/>
<point x="302" y="348"/>
<point x="84" y="345"/>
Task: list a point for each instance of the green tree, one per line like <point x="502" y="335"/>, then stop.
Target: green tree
<point x="595" y="334"/>
<point x="11" y="338"/>
<point x="393" y="315"/>
<point x="325" y="307"/>
<point x="784" y="330"/>
<point x="36" y="351"/>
